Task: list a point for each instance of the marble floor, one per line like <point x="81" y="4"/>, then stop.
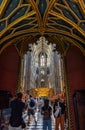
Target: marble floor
<point x="35" y="126"/>
<point x="39" y="125"/>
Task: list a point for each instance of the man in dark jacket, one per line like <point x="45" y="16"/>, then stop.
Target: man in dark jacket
<point x="17" y="107"/>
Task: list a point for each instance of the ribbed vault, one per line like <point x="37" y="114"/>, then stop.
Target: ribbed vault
<point x="60" y="21"/>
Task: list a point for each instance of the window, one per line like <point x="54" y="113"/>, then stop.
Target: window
<point x="42" y="59"/>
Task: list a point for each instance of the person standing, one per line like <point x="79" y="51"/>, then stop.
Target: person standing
<point x="17" y="107"/>
<point x="40" y="103"/>
<point x="46" y="111"/>
<point x="63" y="107"/>
<point x="31" y="108"/>
<point x="60" y="117"/>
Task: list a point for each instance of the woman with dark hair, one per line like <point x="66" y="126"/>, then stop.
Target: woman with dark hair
<point x="46" y="111"/>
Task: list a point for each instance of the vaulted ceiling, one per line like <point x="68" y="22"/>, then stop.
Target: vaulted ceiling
<point x="60" y="21"/>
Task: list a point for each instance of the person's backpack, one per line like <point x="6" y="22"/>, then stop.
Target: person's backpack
<point x="32" y="103"/>
<point x="47" y="111"/>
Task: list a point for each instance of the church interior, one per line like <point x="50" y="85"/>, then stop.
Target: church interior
<point x="42" y="51"/>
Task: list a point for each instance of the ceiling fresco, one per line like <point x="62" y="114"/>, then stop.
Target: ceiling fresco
<point x="60" y="21"/>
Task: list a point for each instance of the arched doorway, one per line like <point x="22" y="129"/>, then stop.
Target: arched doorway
<point x="73" y="67"/>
